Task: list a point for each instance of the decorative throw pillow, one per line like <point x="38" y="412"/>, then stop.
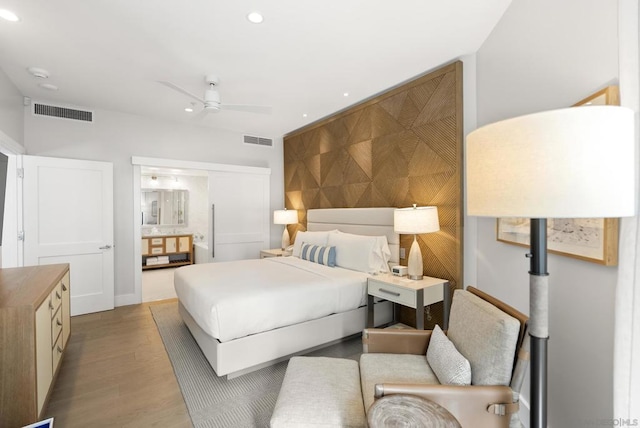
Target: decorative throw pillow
<point x="318" y="254"/>
<point x="449" y="365"/>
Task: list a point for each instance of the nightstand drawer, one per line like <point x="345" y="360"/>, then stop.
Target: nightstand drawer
<point x="404" y="296"/>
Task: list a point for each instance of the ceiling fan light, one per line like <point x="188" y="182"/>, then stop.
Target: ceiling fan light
<point x="255" y="17"/>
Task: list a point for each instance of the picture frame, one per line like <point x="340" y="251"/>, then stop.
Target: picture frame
<point x="590" y="239"/>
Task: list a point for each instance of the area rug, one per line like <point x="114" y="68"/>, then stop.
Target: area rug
<point x="212" y="401"/>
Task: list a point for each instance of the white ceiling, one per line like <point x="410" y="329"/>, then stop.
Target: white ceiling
<point x="109" y="54"/>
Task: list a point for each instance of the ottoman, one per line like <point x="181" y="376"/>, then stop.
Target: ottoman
<point x="320" y="392"/>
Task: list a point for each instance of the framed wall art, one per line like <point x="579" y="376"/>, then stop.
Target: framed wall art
<point x="591" y="239"/>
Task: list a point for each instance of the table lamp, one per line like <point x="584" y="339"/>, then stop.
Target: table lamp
<point x="285" y="217"/>
<point x="415" y="220"/>
<point x="570" y="163"/>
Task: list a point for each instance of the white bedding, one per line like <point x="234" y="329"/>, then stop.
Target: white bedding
<point x="234" y="299"/>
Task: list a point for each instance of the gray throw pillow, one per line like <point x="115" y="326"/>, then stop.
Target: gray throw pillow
<point x="449" y="365"/>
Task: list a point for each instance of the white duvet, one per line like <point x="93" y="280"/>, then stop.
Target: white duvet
<point x="234" y="299"/>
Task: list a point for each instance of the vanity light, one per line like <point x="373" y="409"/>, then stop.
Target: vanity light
<point x="255" y="17"/>
<point x="8" y="15"/>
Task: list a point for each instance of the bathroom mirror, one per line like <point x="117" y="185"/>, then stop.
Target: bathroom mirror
<point x="164" y="207"/>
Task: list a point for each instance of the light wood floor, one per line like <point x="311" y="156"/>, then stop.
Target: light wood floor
<point x="116" y="373"/>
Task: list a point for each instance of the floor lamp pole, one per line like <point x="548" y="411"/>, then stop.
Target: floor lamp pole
<point x="538" y="321"/>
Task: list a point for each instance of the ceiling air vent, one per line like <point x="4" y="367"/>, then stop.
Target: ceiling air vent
<point x="62" y="112"/>
<point x="258" y="141"/>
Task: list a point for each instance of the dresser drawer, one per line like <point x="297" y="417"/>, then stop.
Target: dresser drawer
<point x="157" y="250"/>
<point x="401" y="295"/>
<point x="56" y="353"/>
<point x="56" y="326"/>
<point x="157" y="241"/>
<point x="56" y="299"/>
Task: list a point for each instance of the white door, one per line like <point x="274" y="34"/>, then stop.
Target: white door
<point x="239" y="215"/>
<point x="68" y="218"/>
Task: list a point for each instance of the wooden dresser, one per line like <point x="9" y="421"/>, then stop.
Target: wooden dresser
<point x="34" y="331"/>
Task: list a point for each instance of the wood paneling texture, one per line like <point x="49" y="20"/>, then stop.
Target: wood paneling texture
<point x="402" y="147"/>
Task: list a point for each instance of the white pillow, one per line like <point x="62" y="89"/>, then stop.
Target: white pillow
<point x="379" y="252"/>
<point x="314" y="238"/>
<point x="447" y="363"/>
<point x="356" y="252"/>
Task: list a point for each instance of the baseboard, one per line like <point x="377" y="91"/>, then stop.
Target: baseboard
<point x="126" y="299"/>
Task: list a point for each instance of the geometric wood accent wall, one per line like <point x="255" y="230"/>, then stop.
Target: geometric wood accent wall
<point x="402" y="147"/>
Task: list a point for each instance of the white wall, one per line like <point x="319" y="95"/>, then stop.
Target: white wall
<point x="11" y="106"/>
<point x="115" y="137"/>
<point x="548" y="54"/>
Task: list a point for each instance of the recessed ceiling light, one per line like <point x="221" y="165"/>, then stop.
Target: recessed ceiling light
<point x="304" y="114"/>
<point x="38" y="72"/>
<point x="48" y="86"/>
<point x="346" y="94"/>
<point x="189" y="109"/>
<point x="255" y="17"/>
<point x="8" y="15"/>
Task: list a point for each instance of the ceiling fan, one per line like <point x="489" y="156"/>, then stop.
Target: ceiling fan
<point x="211" y="99"/>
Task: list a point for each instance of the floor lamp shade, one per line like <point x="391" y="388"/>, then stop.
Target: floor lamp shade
<point x="285" y="217"/>
<point x="415" y="220"/>
<point x="568" y="163"/>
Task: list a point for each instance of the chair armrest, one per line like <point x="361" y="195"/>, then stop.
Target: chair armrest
<point x="473" y="406"/>
<point x="395" y="341"/>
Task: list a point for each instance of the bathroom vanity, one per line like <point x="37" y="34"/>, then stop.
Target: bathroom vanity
<point x="160" y="251"/>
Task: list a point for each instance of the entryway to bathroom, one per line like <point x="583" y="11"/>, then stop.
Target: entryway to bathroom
<point x="173" y="221"/>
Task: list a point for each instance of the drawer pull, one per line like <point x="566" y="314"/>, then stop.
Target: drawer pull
<point x="50" y="305"/>
<point x="64" y="287"/>
<point x="58" y="322"/>
<point x="58" y="295"/>
<point x="393" y="293"/>
<point x="59" y="349"/>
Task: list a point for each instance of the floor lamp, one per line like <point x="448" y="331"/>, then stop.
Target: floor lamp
<point x="571" y="163"/>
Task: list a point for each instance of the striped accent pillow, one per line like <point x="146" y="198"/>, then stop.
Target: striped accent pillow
<point x="318" y="254"/>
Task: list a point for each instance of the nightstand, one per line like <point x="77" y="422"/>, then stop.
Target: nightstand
<point x="411" y="293"/>
<point x="274" y="252"/>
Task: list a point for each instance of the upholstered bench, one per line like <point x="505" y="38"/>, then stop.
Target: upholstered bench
<point x="320" y="392"/>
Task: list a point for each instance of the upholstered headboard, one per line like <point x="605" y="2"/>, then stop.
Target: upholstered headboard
<point x="361" y="221"/>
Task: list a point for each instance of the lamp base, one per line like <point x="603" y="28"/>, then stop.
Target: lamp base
<point x="414" y="265"/>
<point x="285" y="238"/>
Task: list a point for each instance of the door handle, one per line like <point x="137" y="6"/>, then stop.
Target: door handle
<point x="106" y="247"/>
<point x="213" y="230"/>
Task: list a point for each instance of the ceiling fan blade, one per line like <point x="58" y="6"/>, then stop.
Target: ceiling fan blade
<point x="179" y="89"/>
<point x="247" y="108"/>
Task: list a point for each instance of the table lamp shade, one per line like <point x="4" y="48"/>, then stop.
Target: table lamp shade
<point x="416" y="220"/>
<point x="568" y="163"/>
<point x="285" y="216"/>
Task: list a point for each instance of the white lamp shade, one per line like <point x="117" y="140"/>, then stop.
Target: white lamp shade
<point x="416" y="220"/>
<point x="568" y="163"/>
<point x="285" y="216"/>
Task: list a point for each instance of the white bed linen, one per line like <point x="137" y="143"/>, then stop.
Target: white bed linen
<point x="229" y="300"/>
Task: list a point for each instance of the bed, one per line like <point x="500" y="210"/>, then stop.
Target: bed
<point x="265" y="310"/>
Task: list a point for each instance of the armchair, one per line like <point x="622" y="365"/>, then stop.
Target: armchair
<point x="490" y="334"/>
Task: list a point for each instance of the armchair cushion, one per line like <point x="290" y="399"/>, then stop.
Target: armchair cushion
<point x="401" y="368"/>
<point x="486" y="336"/>
<point x="448" y="364"/>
